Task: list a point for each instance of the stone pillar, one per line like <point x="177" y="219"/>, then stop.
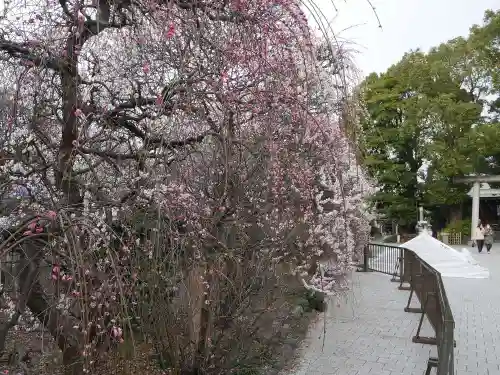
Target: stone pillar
<point x="475" y="206"/>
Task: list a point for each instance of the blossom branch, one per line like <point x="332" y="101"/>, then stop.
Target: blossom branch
<point x="17" y="50"/>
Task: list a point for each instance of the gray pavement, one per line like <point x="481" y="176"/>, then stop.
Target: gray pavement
<point x="366" y="332"/>
<point x="476" y="309"/>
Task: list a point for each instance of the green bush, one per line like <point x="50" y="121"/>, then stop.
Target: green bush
<point x="459" y="226"/>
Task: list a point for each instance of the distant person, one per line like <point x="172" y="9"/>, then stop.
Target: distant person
<point x="488" y="236"/>
<point x="478" y="236"/>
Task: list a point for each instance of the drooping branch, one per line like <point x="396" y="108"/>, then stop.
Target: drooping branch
<point x="118" y="117"/>
<point x="228" y="187"/>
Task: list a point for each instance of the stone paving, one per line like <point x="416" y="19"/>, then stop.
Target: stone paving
<point x="476" y="310"/>
<point x="368" y="333"/>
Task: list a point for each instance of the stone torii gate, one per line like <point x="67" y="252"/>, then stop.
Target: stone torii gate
<point x="476" y="189"/>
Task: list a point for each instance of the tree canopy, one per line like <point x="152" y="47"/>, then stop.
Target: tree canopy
<point x="430" y="117"/>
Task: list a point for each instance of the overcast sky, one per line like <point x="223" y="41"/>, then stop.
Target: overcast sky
<point x="406" y="24"/>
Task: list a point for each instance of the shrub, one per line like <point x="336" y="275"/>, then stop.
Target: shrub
<point x="459" y="226"/>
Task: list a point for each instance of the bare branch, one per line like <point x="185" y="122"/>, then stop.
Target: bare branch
<point x="17" y="50"/>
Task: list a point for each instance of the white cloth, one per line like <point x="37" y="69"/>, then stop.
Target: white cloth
<point x="445" y="259"/>
<point x="478" y="233"/>
<point x="468" y="256"/>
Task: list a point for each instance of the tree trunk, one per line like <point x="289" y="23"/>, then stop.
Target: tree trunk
<point x="60" y="326"/>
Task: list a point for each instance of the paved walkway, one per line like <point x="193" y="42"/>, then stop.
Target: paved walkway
<point x="368" y="333"/>
<point x="476" y="309"/>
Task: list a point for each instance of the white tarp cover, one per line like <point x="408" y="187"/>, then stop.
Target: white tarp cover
<point x="448" y="261"/>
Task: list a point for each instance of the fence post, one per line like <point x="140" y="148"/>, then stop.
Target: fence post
<point x="366" y="256"/>
<point x="401" y="264"/>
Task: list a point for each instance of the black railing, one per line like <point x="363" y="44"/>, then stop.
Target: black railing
<point x="383" y="258"/>
<point x="426" y="283"/>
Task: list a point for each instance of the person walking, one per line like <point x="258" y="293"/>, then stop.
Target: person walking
<point x="488" y="236"/>
<point x="478" y="236"/>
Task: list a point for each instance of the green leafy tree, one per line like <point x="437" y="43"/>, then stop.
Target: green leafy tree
<point x="454" y="109"/>
<point x="485" y="39"/>
<point x="433" y="116"/>
<point x="394" y="136"/>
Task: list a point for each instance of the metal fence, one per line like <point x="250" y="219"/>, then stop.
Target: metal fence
<point x="425" y="282"/>
<point x="383" y="258"/>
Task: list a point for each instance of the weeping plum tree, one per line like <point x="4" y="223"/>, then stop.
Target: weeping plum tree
<point x="165" y="156"/>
